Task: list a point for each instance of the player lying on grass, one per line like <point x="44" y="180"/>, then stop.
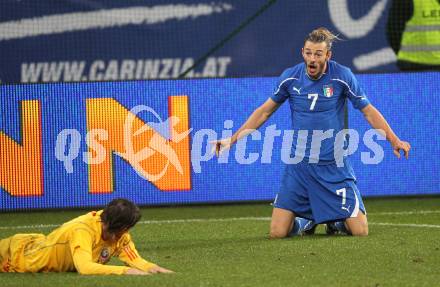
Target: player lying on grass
<point x="317" y="189"/>
<point x="84" y="244"/>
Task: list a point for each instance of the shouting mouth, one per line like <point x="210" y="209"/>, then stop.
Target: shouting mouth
<point x="313" y="68"/>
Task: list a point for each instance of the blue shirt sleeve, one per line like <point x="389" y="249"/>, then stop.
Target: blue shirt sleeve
<point x="280" y="94"/>
<point x="354" y="91"/>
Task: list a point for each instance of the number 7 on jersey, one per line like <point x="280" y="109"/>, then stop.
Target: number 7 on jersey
<point x="315" y="98"/>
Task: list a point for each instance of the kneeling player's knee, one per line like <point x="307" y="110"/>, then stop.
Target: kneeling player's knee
<point x="360" y="230"/>
<point x="276" y="232"/>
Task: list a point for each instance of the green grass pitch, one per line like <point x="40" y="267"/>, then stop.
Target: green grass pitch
<point x="228" y="245"/>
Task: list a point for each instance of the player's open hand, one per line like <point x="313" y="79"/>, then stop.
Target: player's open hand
<point x="401" y="146"/>
<point x="158" y="269"/>
<point x="221" y="145"/>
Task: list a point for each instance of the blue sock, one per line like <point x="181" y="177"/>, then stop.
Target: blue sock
<point x="340" y="226"/>
<point x="299" y="225"/>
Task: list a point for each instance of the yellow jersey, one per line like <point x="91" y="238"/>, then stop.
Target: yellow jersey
<point x="77" y="245"/>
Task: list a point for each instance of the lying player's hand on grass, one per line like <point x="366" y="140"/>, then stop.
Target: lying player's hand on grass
<point x="158" y="269"/>
<point x="153" y="270"/>
<point x="401" y="146"/>
<point x="134" y="271"/>
<point x="221" y="145"/>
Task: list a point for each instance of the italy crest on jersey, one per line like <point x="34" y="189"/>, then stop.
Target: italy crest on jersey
<point x="328" y="91"/>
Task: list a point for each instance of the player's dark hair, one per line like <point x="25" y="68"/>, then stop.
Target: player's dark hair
<point x="120" y="214"/>
<point x="322" y="35"/>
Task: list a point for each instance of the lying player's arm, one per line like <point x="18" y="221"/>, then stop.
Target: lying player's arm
<point x="85" y="265"/>
<point x="255" y="120"/>
<point x="81" y="248"/>
<point x="378" y="122"/>
<point x="129" y="255"/>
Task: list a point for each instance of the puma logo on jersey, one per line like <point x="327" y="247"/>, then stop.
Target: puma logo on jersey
<point x="297" y="90"/>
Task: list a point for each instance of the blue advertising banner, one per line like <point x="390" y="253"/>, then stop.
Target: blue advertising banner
<point x="80" y="144"/>
<point x="73" y="41"/>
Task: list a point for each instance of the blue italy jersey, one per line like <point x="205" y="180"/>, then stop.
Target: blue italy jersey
<point x="317" y="107"/>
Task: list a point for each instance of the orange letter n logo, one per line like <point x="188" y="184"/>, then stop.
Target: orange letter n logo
<point x="21" y="166"/>
<point x="162" y="160"/>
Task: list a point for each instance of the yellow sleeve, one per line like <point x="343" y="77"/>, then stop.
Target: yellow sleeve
<point x="129" y="255"/>
<point x="81" y="247"/>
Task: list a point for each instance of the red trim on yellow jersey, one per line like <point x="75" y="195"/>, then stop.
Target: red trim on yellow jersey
<point x="130" y="256"/>
<point x="130" y="253"/>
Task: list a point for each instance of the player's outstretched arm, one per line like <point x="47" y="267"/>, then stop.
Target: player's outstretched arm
<point x="152" y="270"/>
<point x="255" y="120"/>
<point x="377" y="121"/>
<point x="134" y="271"/>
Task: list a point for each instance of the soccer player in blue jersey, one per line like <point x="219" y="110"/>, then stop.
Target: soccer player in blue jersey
<point x="318" y="189"/>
